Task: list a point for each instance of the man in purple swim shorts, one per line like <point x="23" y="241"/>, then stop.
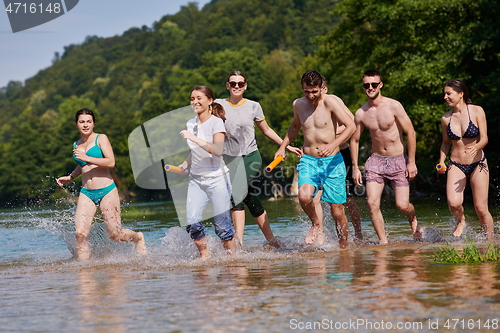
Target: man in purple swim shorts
<point x="390" y="169"/>
<point x="386" y="120"/>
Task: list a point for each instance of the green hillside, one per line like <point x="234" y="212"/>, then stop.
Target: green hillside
<point x="147" y="71"/>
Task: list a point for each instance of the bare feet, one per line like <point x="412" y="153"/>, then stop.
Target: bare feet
<point x="201" y="244"/>
<point x="204" y="257"/>
<point x="343" y="243"/>
<point x="418" y="234"/>
<point x="275" y="242"/>
<point x="315" y="233"/>
<point x="417" y="231"/>
<point x="459" y="229"/>
<point x="83" y="255"/>
<point x="230" y="246"/>
<point x="140" y="245"/>
<point x="82" y="248"/>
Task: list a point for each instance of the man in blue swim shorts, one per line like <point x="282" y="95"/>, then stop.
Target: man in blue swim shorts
<point x="322" y="166"/>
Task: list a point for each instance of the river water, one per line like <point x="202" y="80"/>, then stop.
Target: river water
<point x="367" y="288"/>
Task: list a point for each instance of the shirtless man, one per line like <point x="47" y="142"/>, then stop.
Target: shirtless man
<point x="386" y="121"/>
<point x="322" y="165"/>
<point x="351" y="205"/>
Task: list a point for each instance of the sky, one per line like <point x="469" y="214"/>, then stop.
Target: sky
<point x="24" y="53"/>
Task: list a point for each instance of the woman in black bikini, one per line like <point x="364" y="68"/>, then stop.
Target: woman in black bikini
<point x="467" y="159"/>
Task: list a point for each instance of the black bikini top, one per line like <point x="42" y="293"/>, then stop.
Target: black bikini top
<point x="471" y="132"/>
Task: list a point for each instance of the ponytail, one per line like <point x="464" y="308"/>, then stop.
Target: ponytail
<point x="218" y="111"/>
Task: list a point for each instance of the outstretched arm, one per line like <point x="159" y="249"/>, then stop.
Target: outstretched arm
<point x="66" y="179"/>
<point x="271" y="134"/>
<point x="293" y="130"/>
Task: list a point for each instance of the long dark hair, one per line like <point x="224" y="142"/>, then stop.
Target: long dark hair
<point x="216" y="108"/>
<point x="459" y="86"/>
<point x="84" y="111"/>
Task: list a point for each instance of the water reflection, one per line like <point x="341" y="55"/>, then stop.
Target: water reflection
<point x="258" y="291"/>
<point x="103" y="298"/>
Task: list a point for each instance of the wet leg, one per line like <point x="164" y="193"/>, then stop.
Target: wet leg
<point x="374" y="194"/>
<point x="238" y="217"/>
<point x="85" y="211"/>
<point x="310" y="207"/>
<point x="110" y="208"/>
<point x="338" y="214"/>
<point x="455" y="185"/>
<point x="402" y="196"/>
<point x="265" y="227"/>
<point x="201" y="244"/>
<point x="354" y="214"/>
<point x="230" y="247"/>
<point x="479" y="181"/>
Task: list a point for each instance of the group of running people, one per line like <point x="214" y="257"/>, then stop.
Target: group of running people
<point x="224" y="160"/>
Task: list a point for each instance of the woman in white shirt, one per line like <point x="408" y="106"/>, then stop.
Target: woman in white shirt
<point x="209" y="178"/>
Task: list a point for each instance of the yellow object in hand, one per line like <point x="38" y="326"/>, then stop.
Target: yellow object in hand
<point x="441" y="168"/>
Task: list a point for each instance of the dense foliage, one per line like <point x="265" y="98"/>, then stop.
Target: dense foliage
<point x="148" y="71"/>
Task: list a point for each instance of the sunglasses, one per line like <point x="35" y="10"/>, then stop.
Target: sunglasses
<point x="195" y="130"/>
<point x="373" y="84"/>
<point x="239" y="84"/>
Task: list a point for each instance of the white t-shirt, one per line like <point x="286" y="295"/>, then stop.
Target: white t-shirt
<point x="240" y="126"/>
<point x="202" y="162"/>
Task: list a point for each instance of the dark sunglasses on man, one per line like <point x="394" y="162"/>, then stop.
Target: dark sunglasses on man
<point x="239" y="84"/>
<point x="373" y="84"/>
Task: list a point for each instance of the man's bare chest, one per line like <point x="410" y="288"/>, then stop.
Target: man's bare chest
<point x="317" y="119"/>
<point x="379" y="121"/>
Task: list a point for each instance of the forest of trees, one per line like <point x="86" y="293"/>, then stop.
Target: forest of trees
<point x="147" y="71"/>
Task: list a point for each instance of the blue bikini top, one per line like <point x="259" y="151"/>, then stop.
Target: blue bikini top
<point x="94" y="151"/>
<point x="471" y="132"/>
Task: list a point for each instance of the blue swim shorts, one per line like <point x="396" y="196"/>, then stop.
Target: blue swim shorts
<point x="97" y="194"/>
<point x="326" y="173"/>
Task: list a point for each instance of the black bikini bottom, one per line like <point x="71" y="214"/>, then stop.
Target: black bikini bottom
<point x="467" y="169"/>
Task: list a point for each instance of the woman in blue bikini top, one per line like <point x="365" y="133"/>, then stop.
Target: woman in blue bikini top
<point x="94" y="151"/>
<point x="94" y="155"/>
<point x="467" y="159"/>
